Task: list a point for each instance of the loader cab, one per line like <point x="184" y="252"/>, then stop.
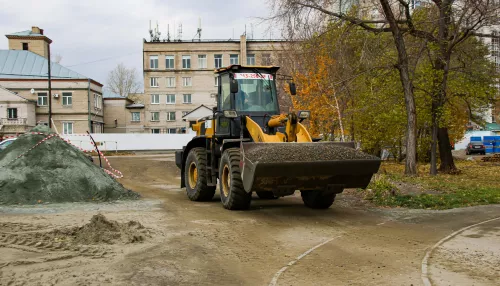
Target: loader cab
<point x="249" y="91"/>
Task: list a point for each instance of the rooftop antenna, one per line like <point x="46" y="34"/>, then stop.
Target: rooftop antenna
<point x="158" y="33"/>
<point x="245" y="30"/>
<point x="179" y="33"/>
<point x="150" y="32"/>
<point x="168" y="32"/>
<point x="251" y="31"/>
<point x="233" y="33"/>
<point x="198" y="31"/>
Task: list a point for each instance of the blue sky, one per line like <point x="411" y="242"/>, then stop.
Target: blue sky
<point x="90" y="30"/>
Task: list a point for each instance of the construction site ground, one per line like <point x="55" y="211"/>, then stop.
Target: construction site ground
<point x="276" y="242"/>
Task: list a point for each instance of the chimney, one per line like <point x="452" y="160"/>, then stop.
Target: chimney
<point x="243" y="49"/>
<point x="36" y="30"/>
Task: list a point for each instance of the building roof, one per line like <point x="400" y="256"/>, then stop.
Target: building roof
<point x="17" y="64"/>
<point x="106" y="94"/>
<point x="197" y="108"/>
<point x="7" y="95"/>
<point x="135" y="106"/>
<point x="25" y="33"/>
<point x="492" y="127"/>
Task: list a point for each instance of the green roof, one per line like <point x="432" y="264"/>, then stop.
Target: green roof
<point x="492" y="127"/>
<point x="26" y="33"/>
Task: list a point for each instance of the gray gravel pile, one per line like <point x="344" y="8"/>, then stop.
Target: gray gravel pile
<point x="53" y="172"/>
<point x="303" y="152"/>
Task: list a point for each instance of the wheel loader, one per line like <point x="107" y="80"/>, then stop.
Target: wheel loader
<point x="247" y="146"/>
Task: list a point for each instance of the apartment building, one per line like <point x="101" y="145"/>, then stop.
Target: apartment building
<point x="179" y="76"/>
<point x="77" y="104"/>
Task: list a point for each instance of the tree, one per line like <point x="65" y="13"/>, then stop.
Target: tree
<point x="123" y="80"/>
<point x="452" y="23"/>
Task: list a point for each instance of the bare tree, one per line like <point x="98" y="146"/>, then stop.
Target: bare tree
<point x="123" y="80"/>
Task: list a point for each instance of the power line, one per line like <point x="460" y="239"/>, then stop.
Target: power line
<point x="104" y="59"/>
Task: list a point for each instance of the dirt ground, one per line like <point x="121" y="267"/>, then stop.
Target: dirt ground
<point x="276" y="242"/>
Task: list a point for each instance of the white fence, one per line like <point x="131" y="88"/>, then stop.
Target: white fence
<point x="130" y="141"/>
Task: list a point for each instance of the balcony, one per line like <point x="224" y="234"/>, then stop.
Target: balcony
<point x="13" y="121"/>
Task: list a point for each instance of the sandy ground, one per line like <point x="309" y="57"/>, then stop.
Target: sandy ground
<point x="273" y="243"/>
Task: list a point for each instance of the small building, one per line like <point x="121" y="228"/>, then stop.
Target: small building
<point x="77" y="104"/>
<point x="17" y="114"/>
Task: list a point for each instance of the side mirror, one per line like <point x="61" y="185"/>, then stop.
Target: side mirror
<point x="233" y="86"/>
<point x="304" y="114"/>
<point x="293" y="88"/>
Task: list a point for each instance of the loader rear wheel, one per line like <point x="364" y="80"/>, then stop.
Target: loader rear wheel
<point x="195" y="173"/>
<point x="232" y="193"/>
<point x="265" y="195"/>
<point x="317" y="199"/>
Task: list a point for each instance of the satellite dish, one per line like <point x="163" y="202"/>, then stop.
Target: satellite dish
<point x="32" y="90"/>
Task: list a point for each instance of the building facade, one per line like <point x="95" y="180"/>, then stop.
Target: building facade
<point x="179" y="76"/>
<point x="76" y="100"/>
<point x="17" y="114"/>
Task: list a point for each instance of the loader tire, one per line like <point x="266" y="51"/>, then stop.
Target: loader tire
<point x="317" y="199"/>
<point x="265" y="195"/>
<point x="195" y="173"/>
<point x="232" y="193"/>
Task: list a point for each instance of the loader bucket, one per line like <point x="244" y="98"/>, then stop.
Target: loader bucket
<point x="283" y="168"/>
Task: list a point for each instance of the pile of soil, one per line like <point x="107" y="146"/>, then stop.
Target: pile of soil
<point x="100" y="230"/>
<point x="303" y="152"/>
<point x="55" y="172"/>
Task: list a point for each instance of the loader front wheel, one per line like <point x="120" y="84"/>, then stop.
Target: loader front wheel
<point x="195" y="173"/>
<point x="232" y="193"/>
<point x="317" y="199"/>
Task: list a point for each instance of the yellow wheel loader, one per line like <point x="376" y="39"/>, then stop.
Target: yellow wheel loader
<point x="247" y="146"/>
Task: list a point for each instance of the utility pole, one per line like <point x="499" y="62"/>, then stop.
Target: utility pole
<point x="50" y="95"/>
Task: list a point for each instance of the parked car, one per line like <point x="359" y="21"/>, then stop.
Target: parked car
<point x="475" y="148"/>
<point x="6" y="143"/>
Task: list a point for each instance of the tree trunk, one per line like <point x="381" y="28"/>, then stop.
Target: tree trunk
<point x="404" y="74"/>
<point x="447" y="162"/>
<point x="434" y="137"/>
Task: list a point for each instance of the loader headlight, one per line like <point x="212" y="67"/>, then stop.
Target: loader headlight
<point x="304" y="114"/>
<point x="230" y="114"/>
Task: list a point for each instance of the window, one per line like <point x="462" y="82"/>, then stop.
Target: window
<point x="97" y="101"/>
<point x="216" y="81"/>
<point x="154" y="82"/>
<point x="42" y="99"/>
<point x="233" y="59"/>
<point x="251" y="59"/>
<point x="155" y="99"/>
<point x="266" y="59"/>
<point x="170" y="98"/>
<point x="171" y="116"/>
<point x="12" y="113"/>
<point x="218" y="61"/>
<point x="187" y="98"/>
<point x="67" y="127"/>
<point x="171" y="130"/>
<point x="186" y="62"/>
<point x="136" y="116"/>
<point x="153" y="62"/>
<point x="170" y="81"/>
<point x="25" y="46"/>
<point x="155" y="131"/>
<point x="169" y="62"/>
<point x="202" y="61"/>
<point x="67" y="98"/>
<point x="155" y="116"/>
<point x="186" y="81"/>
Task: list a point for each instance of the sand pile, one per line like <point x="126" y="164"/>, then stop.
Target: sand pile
<point x="100" y="230"/>
<point x="53" y="172"/>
